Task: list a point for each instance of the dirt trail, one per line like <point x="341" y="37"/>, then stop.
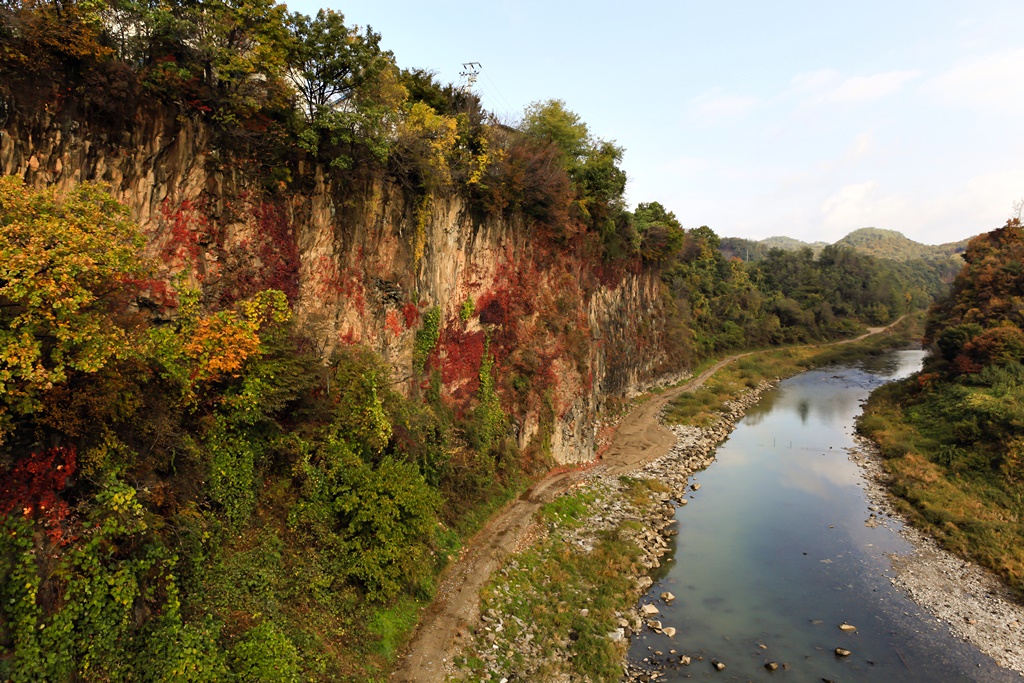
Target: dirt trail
<point x="639" y="439"/>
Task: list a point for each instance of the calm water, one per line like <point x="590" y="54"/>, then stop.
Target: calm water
<point x="773" y="550"/>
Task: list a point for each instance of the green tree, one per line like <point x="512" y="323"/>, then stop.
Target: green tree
<point x="660" y="233"/>
<point x="236" y="50"/>
<point x="592" y="163"/>
<point x="332" y="61"/>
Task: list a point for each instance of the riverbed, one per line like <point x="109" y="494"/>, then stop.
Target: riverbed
<point x="781" y="545"/>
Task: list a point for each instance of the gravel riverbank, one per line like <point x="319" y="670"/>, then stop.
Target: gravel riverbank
<point x="974" y="604"/>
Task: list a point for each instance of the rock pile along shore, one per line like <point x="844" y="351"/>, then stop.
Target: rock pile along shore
<point x="651" y="531"/>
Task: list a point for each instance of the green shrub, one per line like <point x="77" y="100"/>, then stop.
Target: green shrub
<point x="266" y="655"/>
<point x="374" y="524"/>
<point x="232" y="470"/>
<point x="467" y="309"/>
<point x="426" y="338"/>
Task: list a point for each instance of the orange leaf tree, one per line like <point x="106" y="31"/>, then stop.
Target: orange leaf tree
<point x="64" y="259"/>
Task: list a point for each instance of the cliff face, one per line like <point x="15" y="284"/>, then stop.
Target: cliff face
<point x="365" y="260"/>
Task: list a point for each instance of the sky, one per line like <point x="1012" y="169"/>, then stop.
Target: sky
<point x="808" y="119"/>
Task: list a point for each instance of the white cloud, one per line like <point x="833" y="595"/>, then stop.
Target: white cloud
<point x="992" y="82"/>
<point x="847" y="206"/>
<point x="862" y="146"/>
<point x="813" y="80"/>
<point x="867" y="88"/>
<point x="715" y="107"/>
<point x="982" y="203"/>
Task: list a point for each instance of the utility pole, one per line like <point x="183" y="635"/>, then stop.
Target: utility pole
<point x="470" y="71"/>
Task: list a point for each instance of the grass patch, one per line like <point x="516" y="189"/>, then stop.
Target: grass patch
<point x="638" y="491"/>
<point x="569" y="510"/>
<point x="392" y="626"/>
<point x="539" y="596"/>
<point x="947" y="484"/>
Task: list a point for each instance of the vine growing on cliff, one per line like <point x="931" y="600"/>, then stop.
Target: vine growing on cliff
<point x="426" y="338"/>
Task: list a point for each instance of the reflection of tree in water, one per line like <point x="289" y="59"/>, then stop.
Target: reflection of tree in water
<point x="886" y="364"/>
<point x="822" y="396"/>
<point x="834" y="406"/>
<point x="756" y="413"/>
<point x="803" y="409"/>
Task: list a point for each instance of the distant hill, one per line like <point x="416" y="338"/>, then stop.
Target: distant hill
<point x="755" y="250"/>
<point x="791" y="244"/>
<point x="887" y="244"/>
<point x="897" y="247"/>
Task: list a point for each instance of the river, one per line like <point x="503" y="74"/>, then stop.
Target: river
<point x="780" y="546"/>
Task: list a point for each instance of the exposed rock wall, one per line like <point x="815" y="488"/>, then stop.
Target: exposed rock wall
<point x="369" y="259"/>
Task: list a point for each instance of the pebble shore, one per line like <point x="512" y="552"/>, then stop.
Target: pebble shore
<point x="972" y="602"/>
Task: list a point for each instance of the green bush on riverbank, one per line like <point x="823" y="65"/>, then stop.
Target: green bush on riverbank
<point x="953" y="435"/>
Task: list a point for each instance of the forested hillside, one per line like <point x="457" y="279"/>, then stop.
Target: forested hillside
<point x="884" y="244"/>
<point x="282" y="323"/>
<point x="953" y="435"/>
<point x="892" y="245"/>
<point x="882" y="262"/>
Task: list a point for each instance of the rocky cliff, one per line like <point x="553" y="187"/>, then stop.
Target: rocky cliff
<point x="366" y="260"/>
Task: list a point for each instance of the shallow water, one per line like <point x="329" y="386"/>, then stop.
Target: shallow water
<point x="774" y="550"/>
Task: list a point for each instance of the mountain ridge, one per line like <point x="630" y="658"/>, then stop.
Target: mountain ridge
<point x="877" y="242"/>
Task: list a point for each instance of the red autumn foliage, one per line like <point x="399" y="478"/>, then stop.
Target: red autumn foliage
<point x="459" y="355"/>
<point x="278" y="251"/>
<point x="392" y="323"/>
<point x="32" y="485"/>
<point x="332" y="282"/>
<point x="998" y="345"/>
<point x="411" y="313"/>
<point x="530" y="178"/>
<point x="189" y="227"/>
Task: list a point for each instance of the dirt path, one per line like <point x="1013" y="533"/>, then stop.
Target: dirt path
<point x="639" y="439"/>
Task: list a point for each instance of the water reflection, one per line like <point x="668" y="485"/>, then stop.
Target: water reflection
<point x="773" y="551"/>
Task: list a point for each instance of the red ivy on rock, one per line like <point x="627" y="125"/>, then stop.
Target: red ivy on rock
<point x="32" y="486"/>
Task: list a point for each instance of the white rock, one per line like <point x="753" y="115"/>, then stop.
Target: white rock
<point x="649" y="610"/>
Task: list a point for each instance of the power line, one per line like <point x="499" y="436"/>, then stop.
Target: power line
<point x="471" y="72"/>
<point x="498" y="90"/>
